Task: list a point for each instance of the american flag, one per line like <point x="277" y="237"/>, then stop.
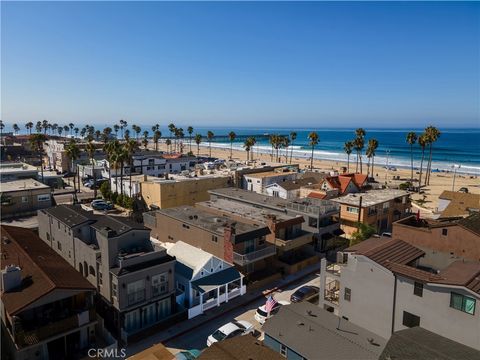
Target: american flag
<point x="270" y="304"/>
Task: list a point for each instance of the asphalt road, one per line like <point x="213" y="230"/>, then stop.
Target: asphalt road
<point x="197" y="338"/>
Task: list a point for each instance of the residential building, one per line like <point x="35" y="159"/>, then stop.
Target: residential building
<point x="418" y="343"/>
<point x="239" y="348"/>
<point x="305" y="331"/>
<point x="315" y="216"/>
<point x="10" y="171"/>
<point x="237" y="242"/>
<point x="377" y="208"/>
<point x="203" y="281"/>
<point x="24" y="197"/>
<point x="459" y="237"/>
<point x="257" y="182"/>
<point x="135" y="281"/>
<point x="337" y="185"/>
<point x="48" y="309"/>
<point x="386" y="285"/>
<point x="457" y="204"/>
<point x="57" y="159"/>
<point x="181" y="190"/>
<point x="240" y="172"/>
<point x="289" y="189"/>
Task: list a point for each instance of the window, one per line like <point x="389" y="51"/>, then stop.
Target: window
<point x="276" y="193"/>
<point x="385" y="207"/>
<point x="462" y="303"/>
<point x="348" y="294"/>
<point x="185" y="226"/>
<point x="353" y="210"/>
<point x="410" y="320"/>
<point x="136" y="291"/>
<point x="159" y="284"/>
<point x="48" y="236"/>
<point x="24" y="199"/>
<point x="372" y="210"/>
<point x="100" y="279"/>
<point x="91" y="270"/>
<point x="444" y="232"/>
<point x="261" y="241"/>
<point x="418" y="289"/>
<point x="45" y="197"/>
<point x="312" y="222"/>
<point x="114" y="290"/>
<point x="180" y="287"/>
<point x="283" y="350"/>
<point x="214" y="238"/>
<point x="59" y="246"/>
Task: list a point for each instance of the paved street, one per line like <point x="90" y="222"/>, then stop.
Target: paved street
<point x="197" y="338"/>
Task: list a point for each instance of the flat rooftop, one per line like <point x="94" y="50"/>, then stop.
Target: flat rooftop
<point x="305" y="205"/>
<point x="12" y="167"/>
<point x="370" y="198"/>
<point x="268" y="174"/>
<point x="206" y="220"/>
<point x="21" y="185"/>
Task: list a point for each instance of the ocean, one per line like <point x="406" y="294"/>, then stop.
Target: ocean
<point x="455" y="146"/>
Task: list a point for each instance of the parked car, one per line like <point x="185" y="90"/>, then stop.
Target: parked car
<point x="188" y="354"/>
<point x="230" y="330"/>
<point x="261" y="314"/>
<point x="306" y="292"/>
<point x="101" y="205"/>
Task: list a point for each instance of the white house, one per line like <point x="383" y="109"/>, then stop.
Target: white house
<point x="289" y="189"/>
<point x="258" y="182"/>
<point x="204" y="280"/>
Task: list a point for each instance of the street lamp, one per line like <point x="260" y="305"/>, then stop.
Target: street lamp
<point x="455" y="167"/>
<point x="386" y="172"/>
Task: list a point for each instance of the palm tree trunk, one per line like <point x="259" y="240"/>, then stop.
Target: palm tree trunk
<point x="356" y="163"/>
<point x="373" y="164"/>
<point x="311" y="159"/>
<point x="198" y="150"/>
<point x="130" y="179"/>
<point x="116" y="177"/>
<point x="427" y="178"/>
<point x="231" y="148"/>
<point x="190" y="144"/>
<point x="291" y="153"/>
<point x="361" y="165"/>
<point x="348" y="163"/>
<point x="121" y="177"/>
<point x="210" y="148"/>
<point x="94" y="180"/>
<point x="411" y="162"/>
<point x="421" y="170"/>
<point x="368" y="167"/>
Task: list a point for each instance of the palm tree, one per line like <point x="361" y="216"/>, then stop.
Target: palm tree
<point x="76" y="130"/>
<point x="2" y="126"/>
<point x="314" y="139"/>
<point x="190" y="132"/>
<point x="29" y="127"/>
<point x="113" y="149"/>
<point x="36" y="144"/>
<point x="286" y="144"/>
<point x="210" y="136"/>
<point x="411" y="140"/>
<point x="156" y="137"/>
<point x="130" y="147"/>
<point x="66" y="128"/>
<point x="432" y="136"/>
<point x="179" y="135"/>
<point x="45" y="126"/>
<point x="16" y="129"/>
<point x="198" y="140"/>
<point x="97" y="135"/>
<point x="359" y="143"/>
<point x="123" y="125"/>
<point x="73" y="152"/>
<point x="38" y="127"/>
<point x="422" y="141"/>
<point x="348" y="147"/>
<point x="71" y="126"/>
<point x="293" y="137"/>
<point x="145" y="139"/>
<point x="137" y="130"/>
<point x="83" y="132"/>
<point x="91" y="149"/>
<point x="372" y="146"/>
<point x="172" y="128"/>
<point x="60" y="130"/>
<point x="116" y="127"/>
<point x="126" y="135"/>
<point x="248" y="145"/>
<point x="231" y="137"/>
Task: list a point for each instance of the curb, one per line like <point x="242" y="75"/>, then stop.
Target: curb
<point x="256" y="297"/>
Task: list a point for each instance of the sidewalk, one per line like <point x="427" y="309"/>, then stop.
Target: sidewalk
<point x="250" y="296"/>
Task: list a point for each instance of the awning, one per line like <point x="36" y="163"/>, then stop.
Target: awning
<point x="338" y="232"/>
<point x="213" y="281"/>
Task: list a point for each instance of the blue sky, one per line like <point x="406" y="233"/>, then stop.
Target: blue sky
<point x="253" y="64"/>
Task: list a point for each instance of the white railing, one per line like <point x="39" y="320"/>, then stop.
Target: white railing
<point x="195" y="311"/>
<point x="210" y="304"/>
<point x="242" y="259"/>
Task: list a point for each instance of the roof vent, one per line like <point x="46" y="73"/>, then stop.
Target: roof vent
<point x="11" y="277"/>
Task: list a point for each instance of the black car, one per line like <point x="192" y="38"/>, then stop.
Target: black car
<point x="306" y="292"/>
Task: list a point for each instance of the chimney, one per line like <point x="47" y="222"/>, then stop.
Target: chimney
<point x="11" y="277"/>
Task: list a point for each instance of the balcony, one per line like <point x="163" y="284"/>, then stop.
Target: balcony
<point x="334" y="269"/>
<point x="300" y="240"/>
<point x="244" y="259"/>
<point x="32" y="337"/>
<point x="332" y="292"/>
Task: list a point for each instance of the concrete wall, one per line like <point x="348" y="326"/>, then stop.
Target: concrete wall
<point x="371" y="305"/>
<point x="459" y="241"/>
<point x="166" y="194"/>
<point x="435" y="312"/>
<point x="24" y="202"/>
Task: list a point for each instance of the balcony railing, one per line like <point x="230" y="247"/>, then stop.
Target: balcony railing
<point x="32" y="337"/>
<point x="243" y="259"/>
<point x="334" y="269"/>
<point x="136" y="297"/>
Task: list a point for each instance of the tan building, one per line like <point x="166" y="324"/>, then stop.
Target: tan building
<point x="240" y="243"/>
<point x="456" y="204"/>
<point x="23" y="197"/>
<point x="458" y="237"/>
<point x="378" y="208"/>
<point x="179" y="190"/>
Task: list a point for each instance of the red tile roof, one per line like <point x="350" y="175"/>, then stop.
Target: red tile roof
<point x="317" y="195"/>
<point x="341" y="182"/>
<point x="42" y="269"/>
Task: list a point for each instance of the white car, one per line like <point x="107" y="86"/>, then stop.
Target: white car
<point x="261" y="315"/>
<point x="230" y="330"/>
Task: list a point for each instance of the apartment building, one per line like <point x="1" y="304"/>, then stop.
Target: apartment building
<point x="135" y="281"/>
<point x="57" y="159"/>
<point x="258" y="182"/>
<point x="377" y="208"/>
<point x="181" y="190"/>
<point x="23" y="197"/>
<point x="315" y="216"/>
<point x="10" y="171"/>
<point x="386" y="285"/>
<point x="48" y="309"/>
<point x="237" y="242"/>
<point x="459" y="237"/>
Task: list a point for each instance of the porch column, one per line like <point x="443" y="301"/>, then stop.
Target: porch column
<point x="226" y="293"/>
<point x="218" y="296"/>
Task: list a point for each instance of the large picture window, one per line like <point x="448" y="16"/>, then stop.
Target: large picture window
<point x="462" y="303"/>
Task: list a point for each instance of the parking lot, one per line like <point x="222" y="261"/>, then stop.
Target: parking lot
<point x="197" y="338"/>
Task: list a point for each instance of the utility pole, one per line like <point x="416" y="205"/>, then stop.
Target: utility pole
<point x="455" y="167"/>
